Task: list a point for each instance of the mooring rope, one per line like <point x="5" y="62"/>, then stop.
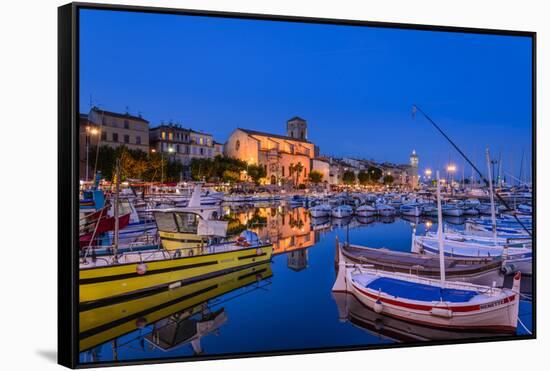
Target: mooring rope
<point x="524" y="327"/>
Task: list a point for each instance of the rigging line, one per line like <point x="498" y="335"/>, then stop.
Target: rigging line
<point x="416" y="108"/>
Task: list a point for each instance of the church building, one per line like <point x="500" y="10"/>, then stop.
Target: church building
<point x="279" y="154"/>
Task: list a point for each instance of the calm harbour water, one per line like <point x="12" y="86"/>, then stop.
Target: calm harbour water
<point x="287" y="306"/>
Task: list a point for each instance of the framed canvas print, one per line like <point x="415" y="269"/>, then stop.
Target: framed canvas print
<point x="237" y="185"/>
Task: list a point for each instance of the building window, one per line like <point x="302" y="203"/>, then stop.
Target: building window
<point x="201" y="140"/>
<point x="170" y="136"/>
<point x="103" y="121"/>
<point x="113" y="122"/>
<point x="126" y="139"/>
<point x="126" y="124"/>
<point x="138" y="140"/>
<point x="163" y="135"/>
<point x="187" y="150"/>
<point x="209" y="152"/>
<point x="283" y="170"/>
<point x="177" y="148"/>
<point x="103" y="135"/>
<point x="237" y="145"/>
<point x="115" y="137"/>
<point x="202" y="151"/>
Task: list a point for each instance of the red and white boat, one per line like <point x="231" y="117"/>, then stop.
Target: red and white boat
<point x="454" y="305"/>
<point x="428" y="301"/>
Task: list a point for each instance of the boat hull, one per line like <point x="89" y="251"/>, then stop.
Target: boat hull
<point x="103" y="282"/>
<point x="499" y="316"/>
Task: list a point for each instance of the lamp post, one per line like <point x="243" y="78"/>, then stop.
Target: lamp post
<point x="170" y="150"/>
<point x="89" y="132"/>
<point x="451" y="170"/>
<point x="428" y="173"/>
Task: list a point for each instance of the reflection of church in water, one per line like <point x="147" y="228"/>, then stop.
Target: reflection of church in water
<point x="288" y="229"/>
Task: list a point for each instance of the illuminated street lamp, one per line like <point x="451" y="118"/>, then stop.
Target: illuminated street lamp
<point x="451" y="168"/>
<point x="89" y="132"/>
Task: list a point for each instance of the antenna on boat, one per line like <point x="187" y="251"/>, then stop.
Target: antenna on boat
<point x="440" y="232"/>
<point x="500" y="199"/>
<point x="491" y="193"/>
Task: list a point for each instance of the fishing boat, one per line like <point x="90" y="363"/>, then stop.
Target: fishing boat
<point x="452" y="210"/>
<point x="342" y="211"/>
<point x="365" y="211"/>
<point x="450" y="305"/>
<point x="431" y="302"/>
<point x="194" y="244"/>
<point x="320" y="211"/>
<point x="515" y="256"/>
<point x="478" y="270"/>
<point x="504" y="229"/>
<point x="412" y="209"/>
<point x="384" y="209"/>
<point x="429" y="210"/>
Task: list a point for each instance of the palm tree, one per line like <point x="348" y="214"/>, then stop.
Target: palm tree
<point x="296" y="170"/>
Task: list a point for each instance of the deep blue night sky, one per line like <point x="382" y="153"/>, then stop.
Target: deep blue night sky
<point x="354" y="85"/>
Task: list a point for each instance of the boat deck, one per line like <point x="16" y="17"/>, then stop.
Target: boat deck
<point x="419" y="291"/>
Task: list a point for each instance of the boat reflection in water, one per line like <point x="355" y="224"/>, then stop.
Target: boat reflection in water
<point x="388" y="328"/>
<point x="179" y="315"/>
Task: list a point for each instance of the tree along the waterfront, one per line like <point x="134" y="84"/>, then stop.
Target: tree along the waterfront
<point x="315" y="177"/>
<point x="374" y="173"/>
<point x="348" y="177"/>
<point x="363" y="178"/>
<point x="136" y="164"/>
<point x="295" y="171"/>
<point x="220" y="168"/>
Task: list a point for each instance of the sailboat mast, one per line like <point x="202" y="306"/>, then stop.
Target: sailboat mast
<point x="116" y="211"/>
<point x="440" y="232"/>
<point x="493" y="214"/>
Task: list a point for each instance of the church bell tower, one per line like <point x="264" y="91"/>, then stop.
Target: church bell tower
<point x="296" y="127"/>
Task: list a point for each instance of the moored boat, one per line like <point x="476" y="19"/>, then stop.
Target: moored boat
<point x="194" y="244"/>
<point x="479" y="270"/>
<point x="342" y="211"/>
<point x="365" y="211"/>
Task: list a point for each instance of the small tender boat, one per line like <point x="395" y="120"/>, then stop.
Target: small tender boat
<point x="320" y="211"/>
<point x="365" y="210"/>
<point x="342" y="211"/>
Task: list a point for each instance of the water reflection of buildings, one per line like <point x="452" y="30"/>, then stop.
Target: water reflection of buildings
<point x="288" y="229"/>
<point x="297" y="259"/>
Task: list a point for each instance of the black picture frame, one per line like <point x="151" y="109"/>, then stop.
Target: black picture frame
<point x="68" y="182"/>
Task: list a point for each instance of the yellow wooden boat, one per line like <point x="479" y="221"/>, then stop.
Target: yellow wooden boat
<point x="99" y="324"/>
<point x="193" y="245"/>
